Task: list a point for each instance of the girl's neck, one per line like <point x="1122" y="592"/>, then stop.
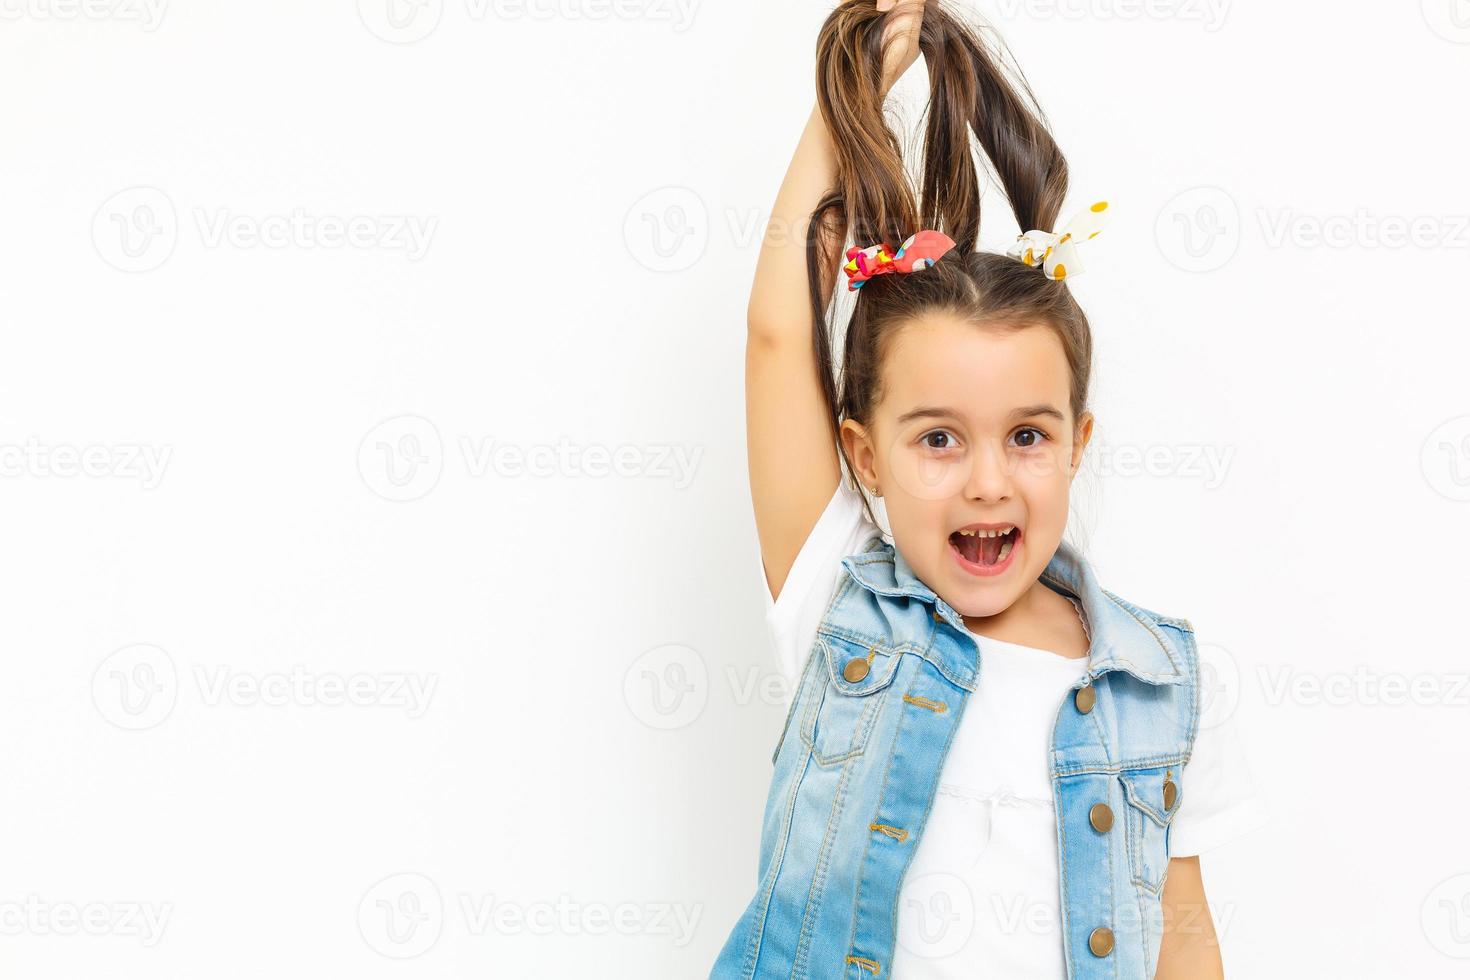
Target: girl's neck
<point x="1040" y="618"/>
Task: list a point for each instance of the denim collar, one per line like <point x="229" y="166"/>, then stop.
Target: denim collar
<point x="1122" y="637"/>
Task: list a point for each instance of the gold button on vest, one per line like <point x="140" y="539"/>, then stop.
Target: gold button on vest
<point x="1100" y="941"/>
<point x="855" y="669"/>
<point x="1101" y="816"/>
<point x="1085" y="697"/>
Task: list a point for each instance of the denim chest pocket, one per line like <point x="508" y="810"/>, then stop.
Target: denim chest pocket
<point x="1153" y="796"/>
<point x="844" y="708"/>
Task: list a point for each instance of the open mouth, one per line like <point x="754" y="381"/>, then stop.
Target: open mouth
<point x="985" y="550"/>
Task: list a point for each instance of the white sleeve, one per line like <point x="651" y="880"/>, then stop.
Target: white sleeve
<point x="843" y="529"/>
<point x="1220" y="800"/>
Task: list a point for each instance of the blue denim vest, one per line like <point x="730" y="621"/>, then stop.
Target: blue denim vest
<point x="858" y="761"/>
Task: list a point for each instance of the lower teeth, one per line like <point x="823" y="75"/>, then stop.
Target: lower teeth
<point x="1005" y="549"/>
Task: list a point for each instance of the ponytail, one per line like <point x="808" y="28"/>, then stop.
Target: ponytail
<point x="874" y="198"/>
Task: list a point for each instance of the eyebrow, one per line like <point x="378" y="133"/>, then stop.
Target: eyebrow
<point x="1025" y="412"/>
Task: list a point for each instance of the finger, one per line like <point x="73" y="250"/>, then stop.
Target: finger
<point x="905" y="20"/>
<point x="908" y="14"/>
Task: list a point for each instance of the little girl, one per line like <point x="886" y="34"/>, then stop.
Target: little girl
<point x="991" y="767"/>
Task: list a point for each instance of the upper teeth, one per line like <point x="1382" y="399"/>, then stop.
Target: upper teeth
<point x="994" y="533"/>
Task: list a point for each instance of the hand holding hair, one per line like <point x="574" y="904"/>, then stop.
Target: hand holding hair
<point x="901" y="31"/>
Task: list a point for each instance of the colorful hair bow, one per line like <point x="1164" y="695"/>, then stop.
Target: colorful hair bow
<point x="1056" y="252"/>
<point x="919" y="251"/>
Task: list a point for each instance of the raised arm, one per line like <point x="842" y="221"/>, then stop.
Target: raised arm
<point x="792" y="457"/>
<point x="791" y="453"/>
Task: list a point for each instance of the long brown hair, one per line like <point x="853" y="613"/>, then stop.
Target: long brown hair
<point x="874" y="200"/>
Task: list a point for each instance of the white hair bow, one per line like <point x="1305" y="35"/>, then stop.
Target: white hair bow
<point x="1056" y="252"/>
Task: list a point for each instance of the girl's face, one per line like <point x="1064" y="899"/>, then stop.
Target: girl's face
<point x="974" y="432"/>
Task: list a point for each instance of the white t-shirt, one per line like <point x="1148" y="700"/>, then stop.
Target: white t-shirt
<point x="981" y="896"/>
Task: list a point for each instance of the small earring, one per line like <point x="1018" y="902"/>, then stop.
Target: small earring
<point x="875" y="492"/>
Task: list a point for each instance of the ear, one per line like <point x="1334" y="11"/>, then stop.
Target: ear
<point x="860" y="455"/>
<point x="1081" y="436"/>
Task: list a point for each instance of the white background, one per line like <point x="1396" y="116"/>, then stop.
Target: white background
<point x="237" y="474"/>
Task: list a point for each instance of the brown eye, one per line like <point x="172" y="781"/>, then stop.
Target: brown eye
<point x="938" y="434"/>
<point x="1036" y="436"/>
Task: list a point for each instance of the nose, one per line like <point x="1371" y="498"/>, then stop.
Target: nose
<point x="990" y="475"/>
